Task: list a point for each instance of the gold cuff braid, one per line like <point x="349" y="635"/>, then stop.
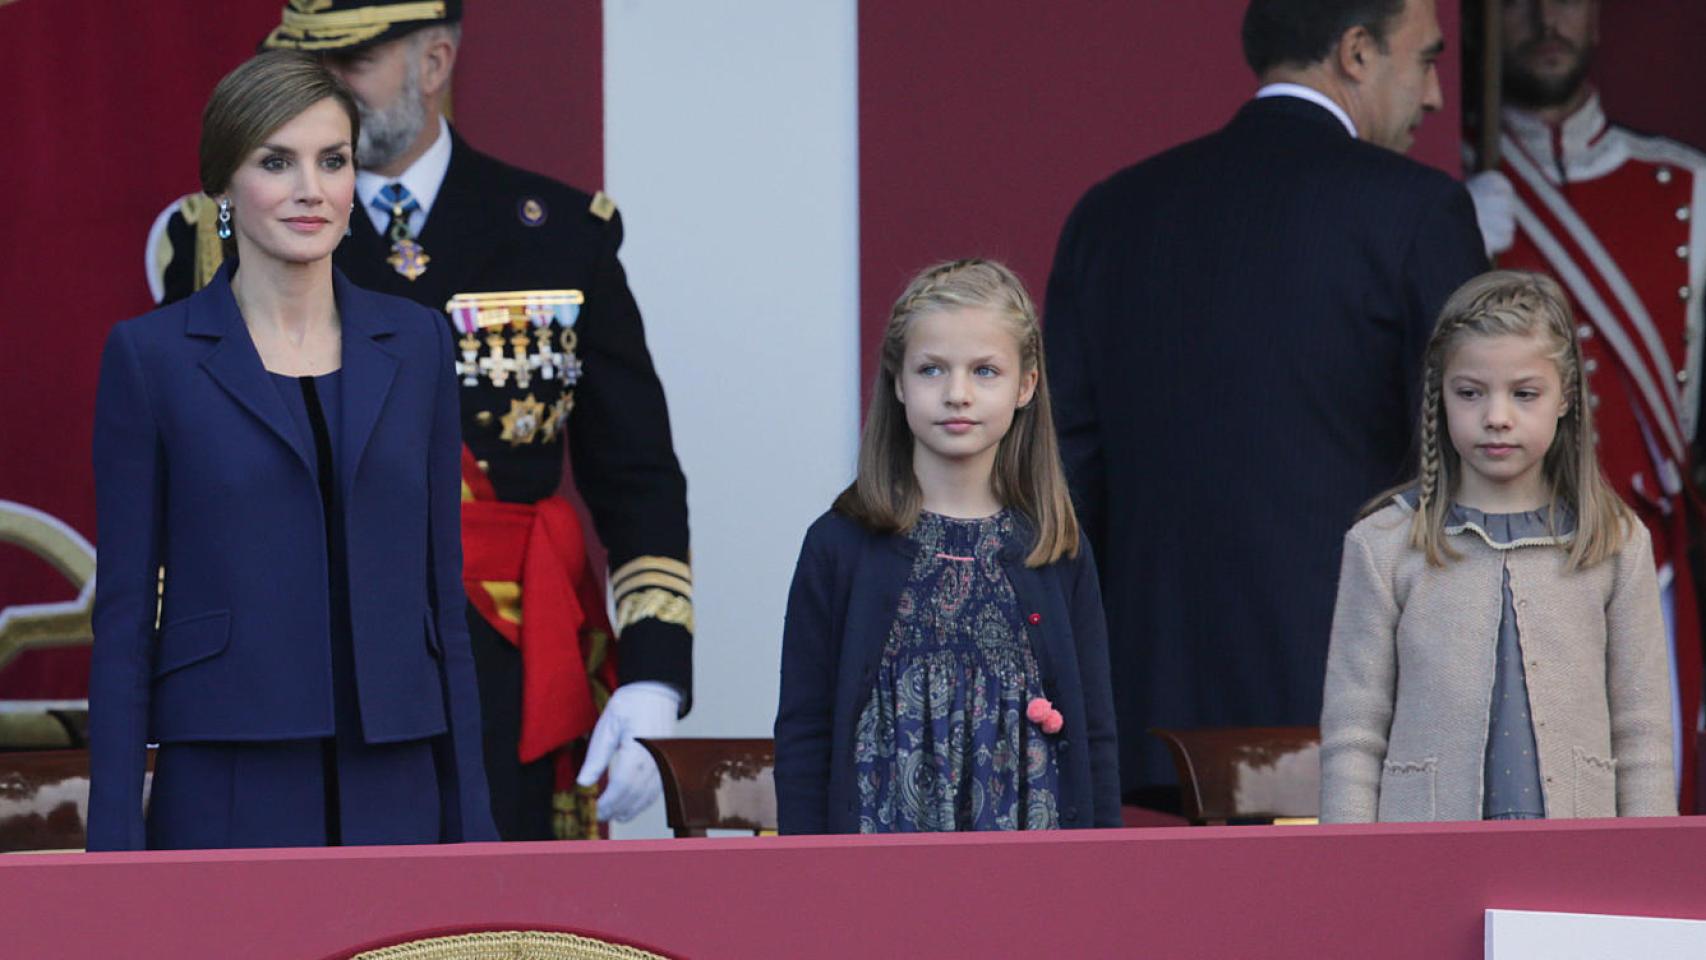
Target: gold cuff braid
<point x="656" y="604"/>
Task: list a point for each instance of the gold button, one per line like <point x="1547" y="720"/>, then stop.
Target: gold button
<point x="483" y="418"/>
<point x="484" y="465"/>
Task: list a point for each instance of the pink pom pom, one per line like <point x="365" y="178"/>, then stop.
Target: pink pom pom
<point x="1038" y="709"/>
<point x="1053" y="722"/>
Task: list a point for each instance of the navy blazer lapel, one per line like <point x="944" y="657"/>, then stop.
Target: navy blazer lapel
<point x="368" y="370"/>
<point x="235" y="364"/>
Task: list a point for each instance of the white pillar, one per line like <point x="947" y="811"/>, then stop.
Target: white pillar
<point x="731" y="147"/>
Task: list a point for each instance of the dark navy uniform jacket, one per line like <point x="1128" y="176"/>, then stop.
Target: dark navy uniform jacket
<point x="846" y="589"/>
<point x="1235" y="331"/>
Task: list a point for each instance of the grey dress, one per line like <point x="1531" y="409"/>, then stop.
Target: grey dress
<point x="1512" y="779"/>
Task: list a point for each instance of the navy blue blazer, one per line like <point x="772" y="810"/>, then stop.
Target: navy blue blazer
<point x="846" y="589"/>
<point x="199" y="467"/>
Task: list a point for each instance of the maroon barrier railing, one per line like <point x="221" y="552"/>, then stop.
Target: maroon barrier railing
<point x="1401" y="891"/>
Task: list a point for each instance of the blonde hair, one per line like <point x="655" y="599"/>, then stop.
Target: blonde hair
<point x="1028" y="477"/>
<point x="1515" y="303"/>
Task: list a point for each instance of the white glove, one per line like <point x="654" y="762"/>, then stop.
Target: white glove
<point x="1495" y="210"/>
<point x="641" y="709"/>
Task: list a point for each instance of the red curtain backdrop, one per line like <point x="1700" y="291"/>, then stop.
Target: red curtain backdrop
<point x="981" y="124"/>
<point x="1649" y="67"/>
<point x="102" y="111"/>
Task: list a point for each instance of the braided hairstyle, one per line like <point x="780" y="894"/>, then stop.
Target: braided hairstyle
<point x="1514" y="303"/>
<point x="1027" y="475"/>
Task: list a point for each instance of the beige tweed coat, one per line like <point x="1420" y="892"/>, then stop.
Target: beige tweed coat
<point x="1410" y="677"/>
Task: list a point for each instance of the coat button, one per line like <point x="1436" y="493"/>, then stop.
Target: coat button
<point x="1034" y="619"/>
<point x="1682" y="376"/>
<point x="1071" y="813"/>
<point x="1062" y="745"/>
<point x="1663" y="175"/>
<point x="1590" y="365"/>
<point x="1683" y="293"/>
<point x="1584" y="332"/>
<point x="1682" y="213"/>
<point x="1682" y="252"/>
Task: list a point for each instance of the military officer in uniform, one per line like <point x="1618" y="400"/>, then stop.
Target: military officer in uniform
<point x="553" y="355"/>
<point x="1611" y="214"/>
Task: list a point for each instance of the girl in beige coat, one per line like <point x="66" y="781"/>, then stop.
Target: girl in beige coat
<point x="1498" y="650"/>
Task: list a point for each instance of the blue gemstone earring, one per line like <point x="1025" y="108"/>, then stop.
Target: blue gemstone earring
<point x="224" y="218"/>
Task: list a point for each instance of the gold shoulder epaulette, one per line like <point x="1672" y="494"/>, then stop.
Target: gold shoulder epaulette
<point x="602" y="206"/>
<point x="199" y="210"/>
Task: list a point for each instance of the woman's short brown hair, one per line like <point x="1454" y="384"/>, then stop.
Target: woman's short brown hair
<point x="264" y="93"/>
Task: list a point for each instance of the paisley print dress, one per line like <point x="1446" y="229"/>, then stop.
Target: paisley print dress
<point x="942" y="742"/>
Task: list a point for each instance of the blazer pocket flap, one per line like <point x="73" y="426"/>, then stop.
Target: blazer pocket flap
<point x="192" y="640"/>
<point x="434" y="645"/>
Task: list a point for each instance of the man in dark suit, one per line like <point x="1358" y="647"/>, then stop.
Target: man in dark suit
<point x="1234" y="330"/>
<point x="539" y="372"/>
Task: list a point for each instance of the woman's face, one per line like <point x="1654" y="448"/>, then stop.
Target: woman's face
<point x="290" y="200"/>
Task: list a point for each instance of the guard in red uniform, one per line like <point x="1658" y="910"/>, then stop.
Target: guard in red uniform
<point x="1617" y="218"/>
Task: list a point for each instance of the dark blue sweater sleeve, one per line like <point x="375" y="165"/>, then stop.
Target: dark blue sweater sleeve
<point x="1090" y="631"/>
<point x="805" y="711"/>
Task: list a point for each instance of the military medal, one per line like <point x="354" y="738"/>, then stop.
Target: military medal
<point x="497" y="366"/>
<point x="571" y="363"/>
<point x="502" y="318"/>
<point x="467" y="319"/>
<point x="558" y="416"/>
<point x="408" y="259"/>
<point x="523" y="363"/>
<point x="521" y="423"/>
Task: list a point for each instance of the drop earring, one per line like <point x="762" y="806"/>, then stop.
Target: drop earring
<point x="224" y="218"/>
<point x="349" y="225"/>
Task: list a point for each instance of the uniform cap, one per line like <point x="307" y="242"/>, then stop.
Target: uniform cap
<point x="318" y="26"/>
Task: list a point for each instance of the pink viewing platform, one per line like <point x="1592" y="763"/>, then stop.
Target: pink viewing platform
<point x="1393" y="891"/>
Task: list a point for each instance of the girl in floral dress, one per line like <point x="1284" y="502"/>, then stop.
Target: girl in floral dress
<point x="944" y="662"/>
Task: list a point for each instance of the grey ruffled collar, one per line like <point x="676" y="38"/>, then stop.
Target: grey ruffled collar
<point x="1503" y="531"/>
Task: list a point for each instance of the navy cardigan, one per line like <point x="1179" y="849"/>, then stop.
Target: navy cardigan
<point x="847" y="586"/>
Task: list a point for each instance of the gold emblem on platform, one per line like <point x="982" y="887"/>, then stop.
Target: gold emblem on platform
<point x="519" y="944"/>
<point x="522" y="422"/>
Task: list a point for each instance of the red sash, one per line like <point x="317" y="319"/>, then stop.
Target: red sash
<point x="539" y="552"/>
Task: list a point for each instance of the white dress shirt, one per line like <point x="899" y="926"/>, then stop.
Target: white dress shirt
<point x="422" y="180"/>
<point x="1314" y="96"/>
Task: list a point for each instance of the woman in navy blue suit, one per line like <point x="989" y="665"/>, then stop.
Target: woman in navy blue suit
<point x="285" y="445"/>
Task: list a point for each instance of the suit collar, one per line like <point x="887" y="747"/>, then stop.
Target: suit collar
<point x="368" y="367"/>
<point x="1289" y="108"/>
<point x="1310" y="95"/>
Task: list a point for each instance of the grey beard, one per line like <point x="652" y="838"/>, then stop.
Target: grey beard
<point x="388" y="134"/>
